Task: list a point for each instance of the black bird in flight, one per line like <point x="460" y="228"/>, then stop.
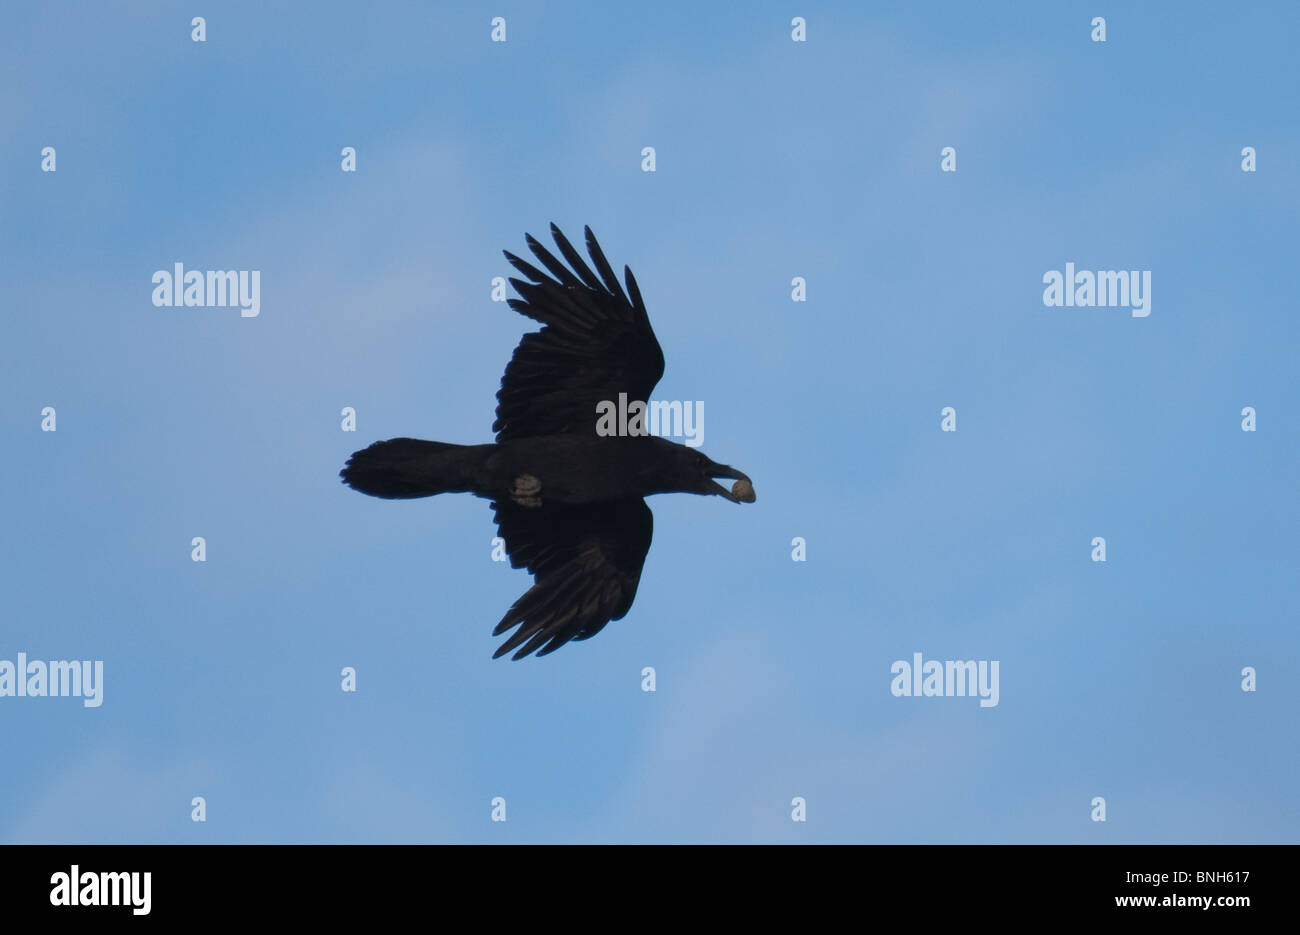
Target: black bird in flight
<point x="568" y="501"/>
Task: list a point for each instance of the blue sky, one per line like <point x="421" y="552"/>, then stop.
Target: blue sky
<point x="775" y="159"/>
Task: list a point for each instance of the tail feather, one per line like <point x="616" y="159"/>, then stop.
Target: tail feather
<point x="405" y="468"/>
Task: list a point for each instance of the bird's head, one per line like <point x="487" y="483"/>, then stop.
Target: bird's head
<point x="701" y="472"/>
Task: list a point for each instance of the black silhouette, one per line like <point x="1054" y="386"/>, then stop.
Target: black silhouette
<point x="568" y="501"/>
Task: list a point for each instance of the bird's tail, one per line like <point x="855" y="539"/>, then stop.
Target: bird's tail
<point x="404" y="468"/>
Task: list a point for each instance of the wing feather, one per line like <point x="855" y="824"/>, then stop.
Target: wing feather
<point x="595" y="343"/>
<point x="586" y="563"/>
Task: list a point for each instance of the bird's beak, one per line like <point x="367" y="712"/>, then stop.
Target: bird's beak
<point x="742" y="491"/>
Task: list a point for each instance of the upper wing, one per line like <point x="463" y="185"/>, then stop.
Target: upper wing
<point x="586" y="561"/>
<point x="595" y="344"/>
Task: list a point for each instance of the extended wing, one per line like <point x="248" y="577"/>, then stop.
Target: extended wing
<point x="596" y="343"/>
<point x="586" y="562"/>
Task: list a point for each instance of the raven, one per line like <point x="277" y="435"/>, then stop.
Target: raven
<point x="568" y="501"/>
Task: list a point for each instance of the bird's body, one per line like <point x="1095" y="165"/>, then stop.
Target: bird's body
<point x="568" y="501"/>
<point x="561" y="470"/>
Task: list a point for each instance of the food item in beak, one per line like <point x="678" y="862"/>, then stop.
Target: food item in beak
<point x="743" y="491"/>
